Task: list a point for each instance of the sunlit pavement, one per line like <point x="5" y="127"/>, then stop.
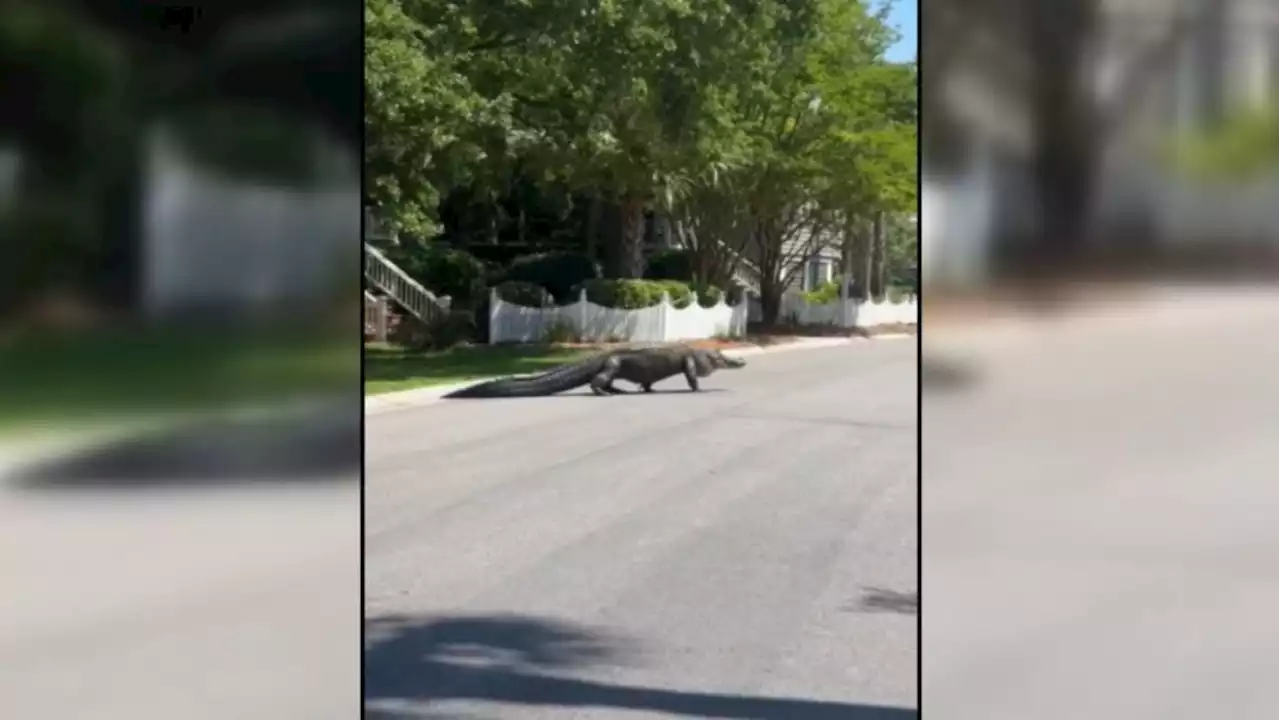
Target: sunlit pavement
<point x="1100" y="513"/>
<point x="744" y="552"/>
<point x="207" y="573"/>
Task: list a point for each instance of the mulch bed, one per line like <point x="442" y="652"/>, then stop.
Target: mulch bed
<point x="1006" y="300"/>
<point x="791" y="333"/>
<point x="708" y="344"/>
<point x="887" y="329"/>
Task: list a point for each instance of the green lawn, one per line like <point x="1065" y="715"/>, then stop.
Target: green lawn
<point x="388" y="368"/>
<point x="49" y="381"/>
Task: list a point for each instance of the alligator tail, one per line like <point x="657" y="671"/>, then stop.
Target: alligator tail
<point x="551" y="382"/>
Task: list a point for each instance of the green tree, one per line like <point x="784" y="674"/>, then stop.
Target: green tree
<point x="757" y="126"/>
<point x="424" y="121"/>
<point x="833" y="133"/>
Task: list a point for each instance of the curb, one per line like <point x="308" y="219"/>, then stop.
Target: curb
<point x="422" y="397"/>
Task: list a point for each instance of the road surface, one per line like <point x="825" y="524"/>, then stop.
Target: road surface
<point x="204" y="573"/>
<point x="745" y="552"/>
<point x="1100" y="516"/>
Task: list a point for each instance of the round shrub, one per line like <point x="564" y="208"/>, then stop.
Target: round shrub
<point x="898" y="294"/>
<point x="458" y="327"/>
<point x="559" y="272"/>
<point x="635" y="294"/>
<point x="523" y="293"/>
<point x="709" y="295"/>
<point x="680" y="293"/>
<point x="827" y="292"/>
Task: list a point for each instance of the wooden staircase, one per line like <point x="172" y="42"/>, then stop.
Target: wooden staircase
<point x="394" y="285"/>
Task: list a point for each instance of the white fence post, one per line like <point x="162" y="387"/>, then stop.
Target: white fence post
<point x="665" y="322"/>
<point x="494" y="314"/>
<point x="666" y="307"/>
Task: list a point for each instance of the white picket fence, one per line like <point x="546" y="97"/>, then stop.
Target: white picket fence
<point x="664" y="322"/>
<point x="848" y="313"/>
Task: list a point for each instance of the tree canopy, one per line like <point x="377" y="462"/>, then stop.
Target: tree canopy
<point x="745" y="121"/>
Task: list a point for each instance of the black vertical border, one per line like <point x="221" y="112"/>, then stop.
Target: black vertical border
<point x="360" y="139"/>
<point x="920" y="295"/>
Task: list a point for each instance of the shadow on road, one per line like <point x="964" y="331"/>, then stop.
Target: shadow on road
<point x="321" y="447"/>
<point x="509" y="659"/>
<point x="588" y="394"/>
<point x="946" y="375"/>
<point x="881" y="600"/>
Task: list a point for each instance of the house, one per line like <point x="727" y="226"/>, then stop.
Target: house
<point x="978" y="136"/>
<point x="828" y="262"/>
<point x="820" y="265"/>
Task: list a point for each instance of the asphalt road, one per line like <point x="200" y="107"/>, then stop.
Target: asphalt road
<point x="202" y="574"/>
<point x="745" y="552"/>
<point x="1100" y="516"/>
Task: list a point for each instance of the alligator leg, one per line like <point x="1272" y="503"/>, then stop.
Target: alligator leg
<point x="691" y="373"/>
<point x="602" y="383"/>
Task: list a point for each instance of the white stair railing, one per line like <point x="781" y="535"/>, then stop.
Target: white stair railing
<point x="745" y="273"/>
<point x="396" y="283"/>
<point x="375" y="316"/>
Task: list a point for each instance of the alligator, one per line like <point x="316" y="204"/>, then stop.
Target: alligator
<point x="643" y="367"/>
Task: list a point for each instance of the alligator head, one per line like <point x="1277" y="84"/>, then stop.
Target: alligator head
<point x="708" y="361"/>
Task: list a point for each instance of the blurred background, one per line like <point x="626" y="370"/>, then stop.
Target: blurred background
<point x="179" y="368"/>
<point x="1099" y="245"/>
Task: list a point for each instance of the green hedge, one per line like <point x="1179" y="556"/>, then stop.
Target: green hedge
<point x="709" y="295"/>
<point x="677" y="264"/>
<point x="830" y="292"/>
<point x="635" y="294"/>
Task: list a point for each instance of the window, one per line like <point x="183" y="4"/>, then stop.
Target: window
<point x="816" y="273"/>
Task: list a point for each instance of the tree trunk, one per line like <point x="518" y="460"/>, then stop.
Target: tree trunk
<point x="693" y="248"/>
<point x="662" y="230"/>
<point x="847" y="240"/>
<point x="120" y="276"/>
<point x="770" y="303"/>
<point x="863" y="258"/>
<point x="488" y="211"/>
<point x="591" y="244"/>
<point x="629" y="258"/>
<point x="1065" y="128"/>
<point x="877" y="282"/>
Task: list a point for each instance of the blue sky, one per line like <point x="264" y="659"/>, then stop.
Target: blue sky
<point x="903" y="19"/>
